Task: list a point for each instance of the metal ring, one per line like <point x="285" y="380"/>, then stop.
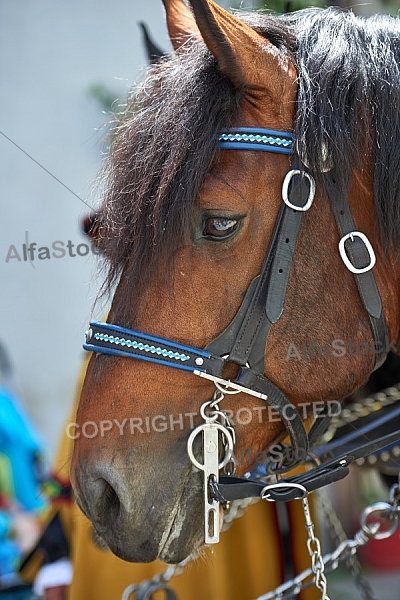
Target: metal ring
<point x="226" y="390"/>
<point x="281" y="485"/>
<point x="218" y="396"/>
<point x="195" y="433"/>
<point x="368" y="246"/>
<point x="207" y="418"/>
<point x="285" y="190"/>
<point x="146" y="590"/>
<point x="395" y="494"/>
<point x="380" y="507"/>
<point x="129" y="591"/>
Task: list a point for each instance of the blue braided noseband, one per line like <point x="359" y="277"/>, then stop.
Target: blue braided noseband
<point x="252" y="138"/>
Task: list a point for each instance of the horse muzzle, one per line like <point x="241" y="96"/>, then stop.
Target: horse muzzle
<point x="141" y="517"/>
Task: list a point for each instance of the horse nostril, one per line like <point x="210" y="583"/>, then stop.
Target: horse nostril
<point x="112" y="503"/>
<point x="105" y="502"/>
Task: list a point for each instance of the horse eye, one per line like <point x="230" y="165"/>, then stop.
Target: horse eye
<point x="219" y="227"/>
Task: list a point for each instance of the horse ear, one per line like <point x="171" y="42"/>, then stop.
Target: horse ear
<point x="181" y="23"/>
<point x="154" y="53"/>
<point x="91" y="226"/>
<point x="244" y="56"/>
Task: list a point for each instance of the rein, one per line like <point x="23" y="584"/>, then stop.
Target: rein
<point x="244" y="341"/>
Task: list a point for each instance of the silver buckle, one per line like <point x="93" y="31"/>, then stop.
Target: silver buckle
<point x="285" y="190"/>
<point x="265" y="495"/>
<point x="368" y="246"/>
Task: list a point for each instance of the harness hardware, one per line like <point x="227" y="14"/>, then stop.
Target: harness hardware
<point x="211" y="432"/>
<point x="368" y="247"/>
<point x="285" y="189"/>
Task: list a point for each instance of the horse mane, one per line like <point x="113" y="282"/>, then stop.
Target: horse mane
<point x="348" y="102"/>
<point x="161" y="150"/>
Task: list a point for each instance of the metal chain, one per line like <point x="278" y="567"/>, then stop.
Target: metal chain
<point x="347" y="548"/>
<point x="355" y="410"/>
<point x="395" y="495"/>
<point x="337" y="531"/>
<point x="314" y="550"/>
<point x="363" y="408"/>
<point x="320" y="564"/>
<point x="172" y="571"/>
<point x="237" y="509"/>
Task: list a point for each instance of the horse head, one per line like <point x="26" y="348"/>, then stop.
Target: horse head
<point x="195" y="211"/>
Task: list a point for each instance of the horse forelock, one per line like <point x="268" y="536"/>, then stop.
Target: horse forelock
<point x="161" y="152"/>
<point x="349" y="94"/>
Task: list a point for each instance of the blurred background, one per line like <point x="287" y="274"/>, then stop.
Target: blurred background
<point x="64" y="68"/>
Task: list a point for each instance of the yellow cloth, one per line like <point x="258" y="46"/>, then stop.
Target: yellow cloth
<point x="240" y="567"/>
<point x="245" y="564"/>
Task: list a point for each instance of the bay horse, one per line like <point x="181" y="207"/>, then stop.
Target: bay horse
<point x="251" y="227"/>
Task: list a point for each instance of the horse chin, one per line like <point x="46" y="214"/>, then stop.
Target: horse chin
<point x="98" y="541"/>
<point x="177" y="542"/>
<point x="183" y="532"/>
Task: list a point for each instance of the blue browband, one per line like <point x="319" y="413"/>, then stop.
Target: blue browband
<point x="252" y="138"/>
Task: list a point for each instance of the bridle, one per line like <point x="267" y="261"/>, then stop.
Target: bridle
<point x="244" y="341"/>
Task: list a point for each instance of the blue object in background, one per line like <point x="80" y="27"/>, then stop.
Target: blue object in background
<point x="21" y="447"/>
<point x="20" y="452"/>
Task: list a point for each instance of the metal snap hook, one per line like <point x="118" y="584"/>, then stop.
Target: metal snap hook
<point x="387" y="512"/>
<point x="208" y="418"/>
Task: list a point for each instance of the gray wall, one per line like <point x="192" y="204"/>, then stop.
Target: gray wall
<point x="51" y="52"/>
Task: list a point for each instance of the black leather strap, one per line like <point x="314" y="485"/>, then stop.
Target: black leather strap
<point x="359" y="432"/>
<point x="366" y="283"/>
<point x="319" y="426"/>
<point x="268" y="300"/>
<point x="287" y="412"/>
<point x="282" y="263"/>
<point x="245" y="339"/>
<point x="235" y="488"/>
<point x="255" y="320"/>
